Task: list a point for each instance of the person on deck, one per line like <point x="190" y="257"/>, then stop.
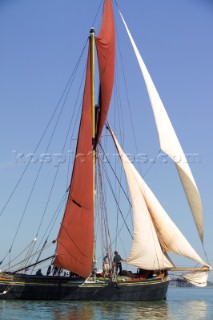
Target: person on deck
<point x="38" y="273"/>
<point x="117" y="262"/>
<point x="106" y="264"/>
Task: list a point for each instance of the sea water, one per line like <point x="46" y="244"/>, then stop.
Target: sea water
<point x="182" y="303"/>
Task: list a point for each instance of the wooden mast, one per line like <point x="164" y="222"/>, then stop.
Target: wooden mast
<point x="92" y="72"/>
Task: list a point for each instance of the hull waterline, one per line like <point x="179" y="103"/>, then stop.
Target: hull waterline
<point x="59" y="288"/>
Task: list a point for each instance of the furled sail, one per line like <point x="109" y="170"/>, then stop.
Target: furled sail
<point x="169" y="142"/>
<point x="75" y="240"/>
<point x="105" y="45"/>
<point x="154" y="232"/>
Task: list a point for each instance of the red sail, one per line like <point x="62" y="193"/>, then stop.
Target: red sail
<point x="105" y="44"/>
<point x="76" y="236"/>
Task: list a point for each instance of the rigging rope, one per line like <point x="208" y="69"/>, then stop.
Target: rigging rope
<point x="63" y="97"/>
<point x="111" y="167"/>
<point x="63" y="148"/>
<point x="43" y="134"/>
<point x="103" y="221"/>
<point x="116" y="201"/>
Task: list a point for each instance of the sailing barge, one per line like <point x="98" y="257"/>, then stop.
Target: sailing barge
<point x="154" y="234"/>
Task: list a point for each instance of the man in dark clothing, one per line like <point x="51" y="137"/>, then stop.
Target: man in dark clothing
<point x="117" y="262"/>
<point x="39" y="273"/>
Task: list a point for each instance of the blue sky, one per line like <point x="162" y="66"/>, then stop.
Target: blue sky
<point x="40" y="43"/>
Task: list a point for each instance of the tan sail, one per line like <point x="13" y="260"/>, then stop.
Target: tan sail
<point x="105" y="45"/>
<point x="75" y="238"/>
<point x="197" y="278"/>
<point x="150" y="215"/>
<point x="75" y="242"/>
<point x="169" y="142"/>
<point x="146" y="252"/>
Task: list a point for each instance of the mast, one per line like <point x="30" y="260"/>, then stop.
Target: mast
<point x="92" y="73"/>
<point x="75" y="241"/>
<point x="92" y="66"/>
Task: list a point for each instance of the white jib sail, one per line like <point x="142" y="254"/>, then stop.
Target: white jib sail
<point x="197" y="278"/>
<point x="154" y="231"/>
<point x="146" y="252"/>
<point x="169" y="142"/>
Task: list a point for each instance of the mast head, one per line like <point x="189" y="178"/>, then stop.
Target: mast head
<point x="92" y="30"/>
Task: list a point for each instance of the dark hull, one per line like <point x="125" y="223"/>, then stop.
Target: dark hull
<point x="61" y="288"/>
